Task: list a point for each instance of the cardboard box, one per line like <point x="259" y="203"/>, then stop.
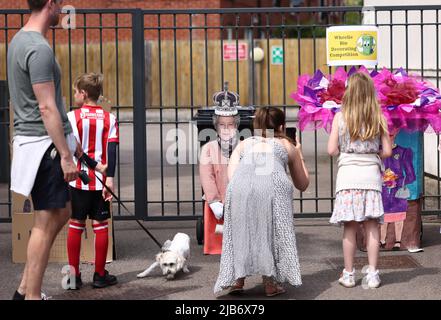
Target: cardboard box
<point x="21" y="204"/>
<point x="21" y="230"/>
<point x="23" y="221"/>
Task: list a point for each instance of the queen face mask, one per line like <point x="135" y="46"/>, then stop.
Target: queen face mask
<point x="226" y="134"/>
<point x="227" y="146"/>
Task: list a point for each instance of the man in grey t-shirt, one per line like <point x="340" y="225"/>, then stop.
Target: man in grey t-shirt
<point x="41" y="135"/>
<point x="31" y="61"/>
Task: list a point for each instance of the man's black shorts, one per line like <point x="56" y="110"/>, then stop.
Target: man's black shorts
<point x="89" y="204"/>
<point x="50" y="190"/>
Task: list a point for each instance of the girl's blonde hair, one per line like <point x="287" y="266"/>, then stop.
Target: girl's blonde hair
<point x="361" y="110"/>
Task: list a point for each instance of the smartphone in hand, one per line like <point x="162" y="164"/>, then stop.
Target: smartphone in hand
<point x="294" y="135"/>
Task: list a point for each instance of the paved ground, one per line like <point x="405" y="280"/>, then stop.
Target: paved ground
<point x="404" y="275"/>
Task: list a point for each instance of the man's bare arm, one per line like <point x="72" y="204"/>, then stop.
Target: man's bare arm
<point x="45" y="94"/>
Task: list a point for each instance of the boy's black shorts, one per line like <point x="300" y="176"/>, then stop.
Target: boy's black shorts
<point x="89" y="204"/>
<point x="50" y="190"/>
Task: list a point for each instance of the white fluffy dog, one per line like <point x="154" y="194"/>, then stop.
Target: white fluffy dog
<point x="173" y="257"/>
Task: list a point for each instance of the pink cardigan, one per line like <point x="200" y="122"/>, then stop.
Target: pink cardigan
<point x="213" y="172"/>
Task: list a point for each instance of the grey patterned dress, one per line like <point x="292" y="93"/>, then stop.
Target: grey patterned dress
<point x="258" y="237"/>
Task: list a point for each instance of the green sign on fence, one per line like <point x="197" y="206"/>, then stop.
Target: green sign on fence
<point x="276" y="55"/>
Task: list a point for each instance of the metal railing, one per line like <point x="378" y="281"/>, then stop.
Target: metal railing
<point x="172" y="54"/>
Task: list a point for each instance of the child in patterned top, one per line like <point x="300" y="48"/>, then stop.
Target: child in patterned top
<point x="357" y="132"/>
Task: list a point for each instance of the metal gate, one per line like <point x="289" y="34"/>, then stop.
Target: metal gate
<point x="160" y="66"/>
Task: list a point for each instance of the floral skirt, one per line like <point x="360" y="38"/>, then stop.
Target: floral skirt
<point x="357" y="205"/>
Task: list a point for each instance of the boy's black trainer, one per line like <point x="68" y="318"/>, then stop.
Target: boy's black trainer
<point x="103" y="281"/>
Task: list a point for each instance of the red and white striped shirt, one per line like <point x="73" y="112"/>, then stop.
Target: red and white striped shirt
<point x="94" y="128"/>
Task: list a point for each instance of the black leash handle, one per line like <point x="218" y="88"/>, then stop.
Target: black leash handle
<point x="84" y="177"/>
<point x="82" y="174"/>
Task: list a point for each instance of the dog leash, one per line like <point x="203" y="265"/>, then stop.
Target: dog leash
<point x="122" y="204"/>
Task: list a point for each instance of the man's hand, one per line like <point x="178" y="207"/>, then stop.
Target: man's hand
<point x="101" y="168"/>
<point x="69" y="168"/>
<point x="106" y="194"/>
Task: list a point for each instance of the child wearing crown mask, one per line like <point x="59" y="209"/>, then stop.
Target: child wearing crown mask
<point x="213" y="167"/>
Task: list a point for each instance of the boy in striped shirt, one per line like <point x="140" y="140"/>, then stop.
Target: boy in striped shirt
<point x="96" y="131"/>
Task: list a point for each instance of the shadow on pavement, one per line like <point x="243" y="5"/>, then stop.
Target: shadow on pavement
<point x="157" y="275"/>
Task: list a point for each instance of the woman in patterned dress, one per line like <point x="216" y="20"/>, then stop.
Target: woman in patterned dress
<point x="259" y="237"/>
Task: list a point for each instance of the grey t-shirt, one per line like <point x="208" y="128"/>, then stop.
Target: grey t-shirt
<point x="31" y="61"/>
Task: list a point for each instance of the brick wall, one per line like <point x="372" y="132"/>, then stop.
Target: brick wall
<point x="149" y="4"/>
<point x="124" y="20"/>
<point x="169" y="4"/>
<point x="109" y="21"/>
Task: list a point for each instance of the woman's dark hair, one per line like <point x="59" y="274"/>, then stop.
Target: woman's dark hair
<point x="270" y="118"/>
<point x="37" y="5"/>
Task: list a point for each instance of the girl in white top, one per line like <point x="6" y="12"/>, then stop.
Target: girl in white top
<point x="357" y="133"/>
